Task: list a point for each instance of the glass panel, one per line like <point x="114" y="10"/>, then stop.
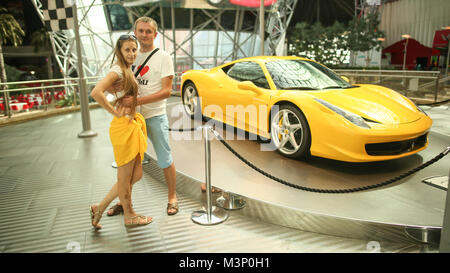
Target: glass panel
<point x="298" y="74"/>
<point x="249" y="71"/>
<point x="118" y="17"/>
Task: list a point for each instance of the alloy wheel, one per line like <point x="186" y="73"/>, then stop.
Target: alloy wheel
<point x="287" y="131"/>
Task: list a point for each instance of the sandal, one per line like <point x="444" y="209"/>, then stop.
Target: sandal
<point x="173" y="206"/>
<point x="95" y="217"/>
<point x="133" y="223"/>
<point x="116" y="210"/>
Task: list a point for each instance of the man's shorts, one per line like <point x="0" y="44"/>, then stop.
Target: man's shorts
<point x="158" y="133"/>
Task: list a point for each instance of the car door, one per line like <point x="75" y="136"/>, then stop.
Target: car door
<point x="246" y="96"/>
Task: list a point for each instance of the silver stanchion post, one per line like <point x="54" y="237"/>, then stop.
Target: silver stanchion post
<point x="212" y="215"/>
<point x="229" y="200"/>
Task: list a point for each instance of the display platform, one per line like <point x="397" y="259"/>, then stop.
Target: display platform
<point x="406" y="210"/>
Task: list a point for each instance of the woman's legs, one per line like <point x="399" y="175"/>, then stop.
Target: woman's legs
<point x="137" y="171"/>
<point x="124" y="186"/>
<point x="130" y="216"/>
<point x="124" y="175"/>
<point x="137" y="175"/>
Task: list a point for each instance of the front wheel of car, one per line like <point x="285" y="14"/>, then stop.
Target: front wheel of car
<point x="191" y="101"/>
<point x="290" y="132"/>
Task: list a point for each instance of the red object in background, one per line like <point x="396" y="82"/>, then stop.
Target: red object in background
<point x="440" y="45"/>
<point x="252" y="3"/>
<point x="2" y="107"/>
<point x="414" y="51"/>
<point x="441" y="38"/>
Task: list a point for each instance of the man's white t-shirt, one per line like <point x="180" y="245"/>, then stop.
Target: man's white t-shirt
<point x="159" y="66"/>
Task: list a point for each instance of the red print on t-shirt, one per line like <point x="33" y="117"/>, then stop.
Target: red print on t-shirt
<point x="143" y="71"/>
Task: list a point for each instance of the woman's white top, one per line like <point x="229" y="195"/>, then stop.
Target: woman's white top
<point x="116" y="68"/>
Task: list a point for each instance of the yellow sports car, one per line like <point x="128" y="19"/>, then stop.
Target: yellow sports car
<point x="307" y="109"/>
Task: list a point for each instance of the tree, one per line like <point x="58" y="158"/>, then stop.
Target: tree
<point x="364" y="33"/>
<point x="331" y="45"/>
<point x="326" y="45"/>
<point x="10" y="31"/>
<point x="40" y="39"/>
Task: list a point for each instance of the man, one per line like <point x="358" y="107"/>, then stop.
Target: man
<point x="155" y="85"/>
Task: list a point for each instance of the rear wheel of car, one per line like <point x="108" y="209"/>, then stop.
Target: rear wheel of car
<point x="290" y="132"/>
<point x="191" y="101"/>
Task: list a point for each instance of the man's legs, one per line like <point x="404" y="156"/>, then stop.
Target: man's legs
<point x="171" y="180"/>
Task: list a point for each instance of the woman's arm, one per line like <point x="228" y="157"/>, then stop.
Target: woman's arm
<point x="164" y="93"/>
<point x="98" y="93"/>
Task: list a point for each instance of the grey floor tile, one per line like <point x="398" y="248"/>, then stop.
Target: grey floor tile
<point x="49" y="181"/>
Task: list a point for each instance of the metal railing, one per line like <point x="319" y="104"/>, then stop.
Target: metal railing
<point x="425" y="85"/>
<point x="421" y="85"/>
<point x="44" y="91"/>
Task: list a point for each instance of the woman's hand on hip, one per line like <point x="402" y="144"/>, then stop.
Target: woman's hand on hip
<point x="120" y="111"/>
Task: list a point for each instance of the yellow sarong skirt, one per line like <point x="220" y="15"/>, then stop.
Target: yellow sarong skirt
<point x="128" y="138"/>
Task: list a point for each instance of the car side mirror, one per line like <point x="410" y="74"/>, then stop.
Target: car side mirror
<point x="345" y="79"/>
<point x="248" y="85"/>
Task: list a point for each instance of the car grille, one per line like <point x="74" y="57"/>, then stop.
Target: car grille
<point x="397" y="147"/>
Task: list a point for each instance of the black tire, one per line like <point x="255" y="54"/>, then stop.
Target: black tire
<point x="292" y="138"/>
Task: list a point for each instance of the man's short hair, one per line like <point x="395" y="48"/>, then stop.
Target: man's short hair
<point x="146" y="19"/>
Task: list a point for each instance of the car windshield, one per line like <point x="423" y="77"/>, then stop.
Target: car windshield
<point x="304" y="75"/>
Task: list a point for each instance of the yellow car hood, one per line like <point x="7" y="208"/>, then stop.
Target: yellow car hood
<point x="372" y="102"/>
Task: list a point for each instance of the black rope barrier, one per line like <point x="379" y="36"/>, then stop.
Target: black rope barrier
<point x="434" y="103"/>
<point x="385" y="183"/>
<point x="183" y="130"/>
<point x="286" y="183"/>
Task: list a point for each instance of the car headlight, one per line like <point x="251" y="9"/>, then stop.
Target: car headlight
<point x="353" y="118"/>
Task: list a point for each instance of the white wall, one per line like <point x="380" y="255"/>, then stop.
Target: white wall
<point x="418" y="18"/>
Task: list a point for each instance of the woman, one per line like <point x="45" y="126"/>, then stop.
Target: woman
<point x="127" y="132"/>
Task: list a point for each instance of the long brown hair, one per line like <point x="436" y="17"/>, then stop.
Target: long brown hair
<point x="129" y="83"/>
